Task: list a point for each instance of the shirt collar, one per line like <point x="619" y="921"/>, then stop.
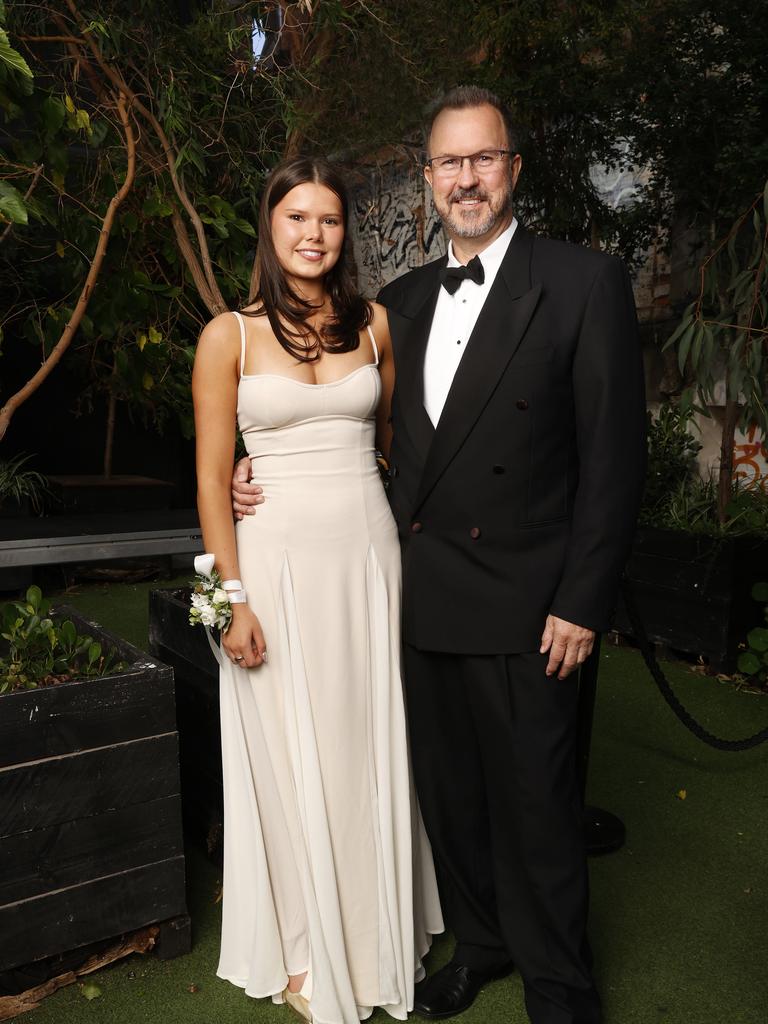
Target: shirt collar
<point x="492" y="256"/>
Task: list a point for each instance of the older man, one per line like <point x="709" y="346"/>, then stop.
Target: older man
<point x="516" y="470"/>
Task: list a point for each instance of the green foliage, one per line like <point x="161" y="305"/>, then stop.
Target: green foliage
<point x="698" y="115"/>
<point x="562" y="70"/>
<point x="753" y="661"/>
<point x="677" y="498"/>
<point x="693" y="508"/>
<point x="13" y="67"/>
<point x="18" y="484"/>
<point x="725" y="331"/>
<point x="42" y="651"/>
<point x="672" y="451"/>
<point x="722" y="338"/>
<point x="136" y="343"/>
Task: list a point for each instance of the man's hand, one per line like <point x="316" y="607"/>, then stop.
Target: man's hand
<point x="568" y="645"/>
<point x="244" y="494"/>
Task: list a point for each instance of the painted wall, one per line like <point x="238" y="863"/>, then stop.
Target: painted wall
<point x="394" y="225"/>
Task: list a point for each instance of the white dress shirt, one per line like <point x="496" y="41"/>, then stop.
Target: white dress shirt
<point x="453" y="323"/>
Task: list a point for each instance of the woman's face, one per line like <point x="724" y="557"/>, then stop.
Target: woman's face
<point x="308" y="231"/>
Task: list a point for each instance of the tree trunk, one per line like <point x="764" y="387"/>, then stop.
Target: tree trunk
<point x="109" y="439"/>
<point x="725" y="477"/>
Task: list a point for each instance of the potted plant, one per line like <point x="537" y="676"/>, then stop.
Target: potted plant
<point x="90" y="809"/>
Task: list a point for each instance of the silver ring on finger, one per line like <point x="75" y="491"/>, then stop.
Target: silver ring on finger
<point x="239" y="657"/>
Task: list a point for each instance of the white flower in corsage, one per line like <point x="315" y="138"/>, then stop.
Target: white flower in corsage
<point x="210" y="603"/>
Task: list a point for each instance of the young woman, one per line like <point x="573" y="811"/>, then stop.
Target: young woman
<point x="329" y="890"/>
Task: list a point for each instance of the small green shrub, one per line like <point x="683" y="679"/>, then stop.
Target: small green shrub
<point x="677" y="498"/>
<point x="672" y="451"/>
<point x="17" y="483"/>
<point x="753" y="662"/>
<point x="41" y="650"/>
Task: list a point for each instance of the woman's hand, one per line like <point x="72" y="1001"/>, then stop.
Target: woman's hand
<point x="243" y="642"/>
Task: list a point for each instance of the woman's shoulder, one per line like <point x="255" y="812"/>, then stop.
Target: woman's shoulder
<point x="379" y="323"/>
<point x="220" y="338"/>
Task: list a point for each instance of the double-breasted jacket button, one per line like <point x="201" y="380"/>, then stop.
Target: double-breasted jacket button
<point x="522" y="404"/>
<point x="498" y="469"/>
<point x="474" y="533"/>
<point x="416" y="527"/>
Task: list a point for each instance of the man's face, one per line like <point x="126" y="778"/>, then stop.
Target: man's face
<point x="472" y="202"/>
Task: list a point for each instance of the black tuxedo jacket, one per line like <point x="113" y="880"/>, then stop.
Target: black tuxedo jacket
<point x="523" y="500"/>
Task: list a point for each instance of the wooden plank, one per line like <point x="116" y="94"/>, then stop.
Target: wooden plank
<point x="170" y="631"/>
<point x="40" y="794"/>
<point x="99" y="909"/>
<point x="86" y="713"/>
<point x="676" y="619"/>
<point x="36" y="862"/>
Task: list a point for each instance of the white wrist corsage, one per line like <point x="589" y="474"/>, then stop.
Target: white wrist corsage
<point x="211" y="605"/>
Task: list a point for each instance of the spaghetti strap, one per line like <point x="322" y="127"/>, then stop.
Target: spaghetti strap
<point x="375" y="346"/>
<point x="241" y="322"/>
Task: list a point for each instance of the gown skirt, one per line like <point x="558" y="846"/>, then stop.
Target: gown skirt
<point x="327" y="868"/>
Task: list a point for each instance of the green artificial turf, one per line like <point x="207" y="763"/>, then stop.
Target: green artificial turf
<point x="679" y="916"/>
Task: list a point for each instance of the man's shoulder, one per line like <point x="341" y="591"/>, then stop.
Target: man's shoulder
<point x="396" y="291"/>
<point x="554" y="256"/>
<point x="574" y="268"/>
<point x="560" y="253"/>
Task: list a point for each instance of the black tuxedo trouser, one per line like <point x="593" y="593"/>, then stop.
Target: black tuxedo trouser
<point x="493" y="749"/>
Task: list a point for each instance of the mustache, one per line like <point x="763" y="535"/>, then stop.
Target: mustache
<point x="467" y="193"/>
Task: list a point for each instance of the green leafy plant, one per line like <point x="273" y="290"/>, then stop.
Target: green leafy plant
<point x="672" y="451"/>
<point x="722" y="338"/>
<point x="18" y="484"/>
<point x="42" y="650"/>
<point x="753" y="662"/>
<point x="692" y="507"/>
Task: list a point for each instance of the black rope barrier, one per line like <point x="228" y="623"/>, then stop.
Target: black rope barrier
<point x="669" y="695"/>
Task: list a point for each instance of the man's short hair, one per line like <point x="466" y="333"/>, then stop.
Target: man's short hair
<point x="464" y="96"/>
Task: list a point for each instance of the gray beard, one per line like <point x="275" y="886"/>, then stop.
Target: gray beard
<point x="462" y="229"/>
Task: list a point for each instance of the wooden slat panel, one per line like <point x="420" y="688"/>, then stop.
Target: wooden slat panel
<point x="170" y="632"/>
<point x="40" y="794"/>
<point x="85" y="714"/>
<point x="32" y="863"/>
<point x="678" y="620"/>
<point x="100" y="909"/>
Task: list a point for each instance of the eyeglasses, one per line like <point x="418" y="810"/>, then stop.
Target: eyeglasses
<point x="484" y="162"/>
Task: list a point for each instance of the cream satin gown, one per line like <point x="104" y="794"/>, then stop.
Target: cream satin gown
<point x="327" y="867"/>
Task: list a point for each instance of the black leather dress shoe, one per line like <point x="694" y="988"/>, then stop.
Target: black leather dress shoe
<point x="452" y="990"/>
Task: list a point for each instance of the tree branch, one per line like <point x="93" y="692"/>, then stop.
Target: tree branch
<point x="216" y="303"/>
<point x="48" y="364"/>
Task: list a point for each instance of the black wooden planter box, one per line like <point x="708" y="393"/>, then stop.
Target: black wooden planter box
<point x="90" y="810"/>
<point x="186" y="650"/>
<point x="693" y="592"/>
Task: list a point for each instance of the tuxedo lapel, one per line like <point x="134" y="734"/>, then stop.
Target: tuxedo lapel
<point x="499" y="330"/>
<point x="413" y="335"/>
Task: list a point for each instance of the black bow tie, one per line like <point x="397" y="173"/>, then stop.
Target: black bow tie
<point x="451" y="277"/>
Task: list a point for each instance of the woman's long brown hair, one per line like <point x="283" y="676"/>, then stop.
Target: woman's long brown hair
<point x="287" y="312"/>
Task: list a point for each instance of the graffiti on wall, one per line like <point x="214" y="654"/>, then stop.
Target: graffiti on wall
<point x="750" y="460"/>
<point x="394" y="226"/>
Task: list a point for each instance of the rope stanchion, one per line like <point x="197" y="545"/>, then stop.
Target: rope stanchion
<point x="687" y="719"/>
